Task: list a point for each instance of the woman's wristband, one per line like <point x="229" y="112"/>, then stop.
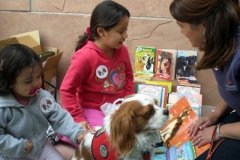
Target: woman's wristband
<point x="218" y="131"/>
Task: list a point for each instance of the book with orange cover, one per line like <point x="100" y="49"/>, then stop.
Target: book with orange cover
<point x="175" y="131"/>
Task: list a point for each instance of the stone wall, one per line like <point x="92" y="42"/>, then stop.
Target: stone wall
<point x="60" y="22"/>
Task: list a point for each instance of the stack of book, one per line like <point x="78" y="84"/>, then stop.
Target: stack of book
<point x="156" y="70"/>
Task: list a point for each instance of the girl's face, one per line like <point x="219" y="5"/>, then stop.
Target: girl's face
<point x="114" y="38"/>
<point x="28" y="82"/>
<point x="195" y="34"/>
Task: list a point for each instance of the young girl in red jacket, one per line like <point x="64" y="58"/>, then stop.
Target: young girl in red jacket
<point x="100" y="70"/>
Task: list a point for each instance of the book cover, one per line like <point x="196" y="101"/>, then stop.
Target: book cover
<point x="144" y="60"/>
<point x="169" y="84"/>
<point x="194" y="99"/>
<point x="159" y="93"/>
<point x="188" y="89"/>
<point x="175" y="131"/>
<point x="163" y="63"/>
<point x="185" y="68"/>
<point x="173" y="62"/>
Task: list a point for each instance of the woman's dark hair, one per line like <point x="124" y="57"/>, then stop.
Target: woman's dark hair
<point x="14" y="58"/>
<point x="221" y="20"/>
<point x="106" y="15"/>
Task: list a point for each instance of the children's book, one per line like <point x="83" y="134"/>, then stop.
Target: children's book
<point x="195" y="100"/>
<point x="174" y="60"/>
<point x="188" y="89"/>
<point x="144" y="60"/>
<point x="169" y="84"/>
<point x="141" y="78"/>
<point x="163" y="65"/>
<point x="185" y="68"/>
<point x="159" y="93"/>
<point x="175" y="132"/>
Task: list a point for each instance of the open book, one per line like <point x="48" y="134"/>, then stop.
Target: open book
<point x="175" y="132"/>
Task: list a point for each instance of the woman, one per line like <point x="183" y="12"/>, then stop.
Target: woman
<point x="212" y="26"/>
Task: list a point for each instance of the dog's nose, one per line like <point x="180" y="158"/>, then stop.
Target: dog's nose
<point x="165" y="112"/>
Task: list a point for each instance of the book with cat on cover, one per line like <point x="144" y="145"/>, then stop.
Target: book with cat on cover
<point x="175" y="131"/>
<point x="144" y="60"/>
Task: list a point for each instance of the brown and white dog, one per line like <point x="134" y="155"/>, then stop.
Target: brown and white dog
<point x="129" y="130"/>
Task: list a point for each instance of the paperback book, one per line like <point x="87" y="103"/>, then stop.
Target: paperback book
<point x="144" y="60"/>
<point x="194" y="99"/>
<point x="168" y="84"/>
<point x="159" y="93"/>
<point x="163" y="63"/>
<point x="175" y="132"/>
<point x="185" y="68"/>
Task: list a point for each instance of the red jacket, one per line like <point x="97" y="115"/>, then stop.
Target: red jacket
<point x="93" y="79"/>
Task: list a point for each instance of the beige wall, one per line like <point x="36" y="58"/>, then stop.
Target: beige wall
<point x="60" y="22"/>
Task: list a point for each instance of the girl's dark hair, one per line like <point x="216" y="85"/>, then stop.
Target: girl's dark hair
<point x="14" y="58"/>
<point x="221" y="20"/>
<point x="106" y="15"/>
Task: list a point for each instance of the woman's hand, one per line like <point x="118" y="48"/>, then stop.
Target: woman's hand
<point x="204" y="136"/>
<point x="201" y="124"/>
<point x="87" y="127"/>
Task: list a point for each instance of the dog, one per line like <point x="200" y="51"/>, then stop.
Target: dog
<point x="132" y="128"/>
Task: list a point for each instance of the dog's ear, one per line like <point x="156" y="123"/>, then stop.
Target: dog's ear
<point x="123" y="130"/>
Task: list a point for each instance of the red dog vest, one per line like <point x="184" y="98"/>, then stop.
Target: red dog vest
<point x="101" y="148"/>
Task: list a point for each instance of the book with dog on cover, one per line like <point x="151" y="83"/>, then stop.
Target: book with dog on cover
<point x="175" y="131"/>
<point x="144" y="60"/>
<point x="185" y="68"/>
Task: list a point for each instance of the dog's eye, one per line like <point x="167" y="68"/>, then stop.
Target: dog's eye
<point x="151" y="111"/>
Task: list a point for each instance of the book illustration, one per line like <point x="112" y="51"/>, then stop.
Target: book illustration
<point x="175" y="131"/>
<point x="144" y="60"/>
<point x="185" y="68"/>
<point x="163" y="65"/>
<point x="185" y="152"/>
<point x="173" y="61"/>
<point x="159" y="93"/>
<point x="169" y="132"/>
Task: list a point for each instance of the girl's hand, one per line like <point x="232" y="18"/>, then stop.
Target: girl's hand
<point x="81" y="136"/>
<point x="204" y="136"/>
<point x="28" y="147"/>
<point x="87" y="127"/>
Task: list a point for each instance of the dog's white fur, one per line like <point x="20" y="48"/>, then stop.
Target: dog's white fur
<point x="139" y="116"/>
